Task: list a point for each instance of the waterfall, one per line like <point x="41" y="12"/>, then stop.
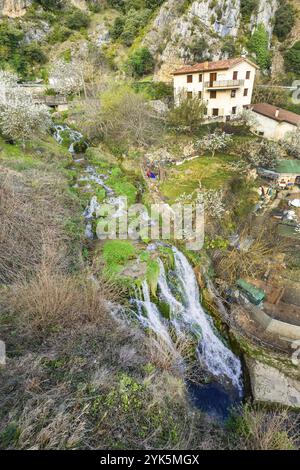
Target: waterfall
<point x="218" y="359"/>
<point x="74" y="136"/>
<point x="150" y="317"/>
<point x="187" y="315"/>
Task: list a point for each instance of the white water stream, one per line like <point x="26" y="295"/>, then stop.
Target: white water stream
<point x="188" y="315"/>
<point x="182" y="295"/>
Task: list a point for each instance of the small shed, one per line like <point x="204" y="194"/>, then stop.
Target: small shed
<point x="289" y="172"/>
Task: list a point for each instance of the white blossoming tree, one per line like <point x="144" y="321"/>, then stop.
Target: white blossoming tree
<point x="214" y="142"/>
<point x="291" y="143"/>
<point x="67" y="78"/>
<point x="20" y="117"/>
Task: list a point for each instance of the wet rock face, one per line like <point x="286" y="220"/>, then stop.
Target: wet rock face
<point x="14" y="8"/>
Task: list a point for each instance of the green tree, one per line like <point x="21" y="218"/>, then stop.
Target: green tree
<point x="292" y="59"/>
<point x="259" y="45"/>
<point x="284" y="20"/>
<point x="248" y="7"/>
<point x="188" y="115"/>
<point x="77" y="20"/>
<point x="117" y="28"/>
<point x="141" y="62"/>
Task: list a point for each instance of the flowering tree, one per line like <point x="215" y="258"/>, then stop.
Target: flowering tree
<point x="291" y="143"/>
<point x="248" y="118"/>
<point x="263" y="154"/>
<point x="67" y="78"/>
<point x="213" y="202"/>
<point x="213" y="142"/>
<point x="20" y="117"/>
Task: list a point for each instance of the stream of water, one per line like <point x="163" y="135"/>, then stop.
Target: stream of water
<point x="179" y="290"/>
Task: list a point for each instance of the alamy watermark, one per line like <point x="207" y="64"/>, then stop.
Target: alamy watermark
<point x="119" y="220"/>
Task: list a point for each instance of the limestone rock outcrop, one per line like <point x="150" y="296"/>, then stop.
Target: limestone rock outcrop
<point x="14" y="8"/>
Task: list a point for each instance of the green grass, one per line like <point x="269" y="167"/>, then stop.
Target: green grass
<point x="213" y="173"/>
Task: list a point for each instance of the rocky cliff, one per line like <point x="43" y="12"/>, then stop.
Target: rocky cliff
<point x="179" y="25"/>
<point x="13" y="8"/>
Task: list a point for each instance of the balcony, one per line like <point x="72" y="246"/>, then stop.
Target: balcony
<point x="224" y="84"/>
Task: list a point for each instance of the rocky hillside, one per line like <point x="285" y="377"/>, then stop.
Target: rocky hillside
<point x="13" y="8"/>
<point x="174" y="31"/>
<point x="186" y="31"/>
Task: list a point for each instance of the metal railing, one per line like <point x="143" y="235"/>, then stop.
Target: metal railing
<point x="224" y="84"/>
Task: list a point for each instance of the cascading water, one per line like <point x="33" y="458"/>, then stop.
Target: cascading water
<point x="150" y="317"/>
<point x="181" y="294"/>
<point x="74" y="136"/>
<point x="187" y="315"/>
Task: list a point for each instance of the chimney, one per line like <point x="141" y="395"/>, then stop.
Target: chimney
<point x="277" y="113"/>
<point x="205" y="65"/>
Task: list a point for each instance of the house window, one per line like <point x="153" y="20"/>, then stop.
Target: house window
<point x="233" y="93"/>
<point x="246" y="92"/>
<point x="213" y="94"/>
<point x="189" y="78"/>
<point x="200" y="95"/>
<point x="200" y="78"/>
<point x="234" y="110"/>
<point x="248" y="73"/>
<point x="215" y="112"/>
<point x="235" y="75"/>
<point x="189" y="95"/>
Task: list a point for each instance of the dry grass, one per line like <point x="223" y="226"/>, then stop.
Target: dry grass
<point x="261" y="428"/>
<point x="254" y="262"/>
<point x="34" y="208"/>
<point x="53" y="300"/>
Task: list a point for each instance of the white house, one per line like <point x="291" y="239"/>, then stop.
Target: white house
<point x="274" y="123"/>
<point x="224" y="86"/>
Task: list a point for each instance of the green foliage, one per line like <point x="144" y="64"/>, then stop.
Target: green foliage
<point x="284" y="20"/>
<point x="141" y="62"/>
<point x="134" y="21"/>
<point x="187" y="116"/>
<point x="249" y="7"/>
<point x="259" y="44"/>
<point x="117" y="28"/>
<point x="11" y="48"/>
<point x="77" y="19"/>
<point x="154" y="90"/>
<point x="152" y="275"/>
<point x="118" y="251"/>
<point x="34" y="54"/>
<point x="9" y="436"/>
<point x="217" y="243"/>
<point x="198" y="48"/>
<point x="292" y="59"/>
<point x="50" y="4"/>
<point x="229" y="47"/>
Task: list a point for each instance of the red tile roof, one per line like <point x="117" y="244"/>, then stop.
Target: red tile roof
<point x="217" y="65"/>
<point x="282" y="115"/>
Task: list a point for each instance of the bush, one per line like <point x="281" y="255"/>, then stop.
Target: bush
<point x="292" y="59"/>
<point x="51" y="4"/>
<point x="35" y="54"/>
<point x="188" y="115"/>
<point x="77" y="20"/>
<point x="198" y="48"/>
<point x="284" y="20"/>
<point x="141" y="62"/>
<point x="117" y="28"/>
<point x="249" y="7"/>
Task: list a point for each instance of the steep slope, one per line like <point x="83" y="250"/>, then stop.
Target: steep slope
<point x="182" y="32"/>
<point x="14" y="8"/>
